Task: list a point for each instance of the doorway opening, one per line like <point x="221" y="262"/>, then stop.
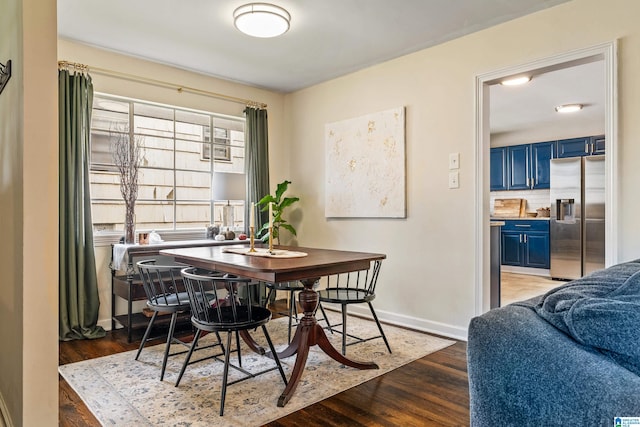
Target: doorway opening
<point x="604" y="55"/>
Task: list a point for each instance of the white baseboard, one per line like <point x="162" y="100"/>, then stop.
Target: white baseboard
<point x="106" y="324"/>
<point x="5" y="421"/>
<point x="415" y="323"/>
<point x="418" y="324"/>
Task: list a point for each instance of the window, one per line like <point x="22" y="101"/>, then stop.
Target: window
<point x="221" y="145"/>
<point x="175" y="176"/>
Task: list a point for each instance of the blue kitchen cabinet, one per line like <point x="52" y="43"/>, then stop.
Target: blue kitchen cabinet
<point x="519" y="170"/>
<point x="511" y="244"/>
<point x="527" y="166"/>
<point x="597" y="144"/>
<point x="578" y="147"/>
<point x="541" y="155"/>
<point x="499" y="180"/>
<point x="536" y="250"/>
<point x="525" y="243"/>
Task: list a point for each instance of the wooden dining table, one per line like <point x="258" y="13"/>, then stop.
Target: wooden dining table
<point x="307" y="268"/>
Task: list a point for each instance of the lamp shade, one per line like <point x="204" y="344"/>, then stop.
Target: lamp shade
<point x="229" y="186"/>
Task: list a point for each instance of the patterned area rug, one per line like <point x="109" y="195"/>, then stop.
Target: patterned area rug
<point x="123" y="392"/>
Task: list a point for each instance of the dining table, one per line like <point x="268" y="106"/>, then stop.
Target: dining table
<point x="283" y="264"/>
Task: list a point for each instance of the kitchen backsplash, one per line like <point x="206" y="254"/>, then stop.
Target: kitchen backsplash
<point x="535" y="198"/>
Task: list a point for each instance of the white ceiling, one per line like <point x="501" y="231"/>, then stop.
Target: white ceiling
<point x="327" y="39"/>
<point x="523" y="114"/>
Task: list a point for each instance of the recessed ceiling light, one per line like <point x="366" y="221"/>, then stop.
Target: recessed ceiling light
<point x="516" y="81"/>
<point x="568" y="108"/>
<point x="261" y="20"/>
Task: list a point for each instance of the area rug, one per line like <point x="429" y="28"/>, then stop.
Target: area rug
<point x="120" y="391"/>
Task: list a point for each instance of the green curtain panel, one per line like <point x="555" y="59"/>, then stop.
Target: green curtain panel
<point x="78" y="280"/>
<point x="256" y="160"/>
<point x="257" y="170"/>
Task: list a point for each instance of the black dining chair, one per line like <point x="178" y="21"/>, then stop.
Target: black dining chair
<point x="357" y="287"/>
<point x="229" y="313"/>
<point x="162" y="286"/>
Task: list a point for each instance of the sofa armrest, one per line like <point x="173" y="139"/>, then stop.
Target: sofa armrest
<point x="524" y="371"/>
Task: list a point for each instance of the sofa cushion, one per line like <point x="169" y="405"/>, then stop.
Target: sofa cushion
<point x="523" y="371"/>
<point x="601" y="310"/>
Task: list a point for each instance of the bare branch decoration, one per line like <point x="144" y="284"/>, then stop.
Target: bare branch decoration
<point x="127" y="157"/>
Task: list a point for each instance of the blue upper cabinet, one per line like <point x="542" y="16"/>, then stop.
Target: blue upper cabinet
<point x="597" y="144"/>
<point x="578" y="147"/>
<point x="499" y="180"/>
<point x="527" y="166"/>
<point x="519" y="158"/>
<point x="541" y="155"/>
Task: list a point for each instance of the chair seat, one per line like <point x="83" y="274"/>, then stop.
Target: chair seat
<point x="170" y="302"/>
<point x="223" y="319"/>
<point x="345" y="295"/>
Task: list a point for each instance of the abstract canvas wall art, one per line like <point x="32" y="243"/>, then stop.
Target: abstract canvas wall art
<point x="365" y="166"/>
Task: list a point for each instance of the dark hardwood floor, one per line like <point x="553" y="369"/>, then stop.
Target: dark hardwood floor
<point x="432" y="391"/>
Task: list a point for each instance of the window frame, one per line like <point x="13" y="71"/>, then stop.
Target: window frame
<point x="107" y="237"/>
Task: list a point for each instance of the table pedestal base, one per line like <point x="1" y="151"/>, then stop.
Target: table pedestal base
<point x="251" y="343"/>
<point x="309" y="333"/>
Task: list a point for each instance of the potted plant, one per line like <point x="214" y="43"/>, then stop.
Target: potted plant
<point x="280" y="203"/>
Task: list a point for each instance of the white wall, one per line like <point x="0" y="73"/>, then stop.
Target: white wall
<point x="11" y="217"/>
<point x="97" y="58"/>
<point x="428" y="279"/>
<point x="29" y="215"/>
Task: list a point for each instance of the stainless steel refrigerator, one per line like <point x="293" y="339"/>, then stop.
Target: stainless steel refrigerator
<point x="577" y="216"/>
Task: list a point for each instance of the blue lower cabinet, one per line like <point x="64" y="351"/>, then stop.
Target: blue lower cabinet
<point x="525" y="243"/>
<point x="536" y="250"/>
<point x="511" y="248"/>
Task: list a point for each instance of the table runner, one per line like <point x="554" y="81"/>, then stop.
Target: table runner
<point x="264" y="252"/>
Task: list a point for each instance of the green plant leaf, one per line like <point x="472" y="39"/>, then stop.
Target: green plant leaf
<point x="266" y="200"/>
<point x="288" y="201"/>
<point x="290" y="228"/>
<point x="282" y="187"/>
<point x="279" y="204"/>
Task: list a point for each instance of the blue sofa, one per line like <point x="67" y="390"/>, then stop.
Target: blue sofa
<point x="568" y="358"/>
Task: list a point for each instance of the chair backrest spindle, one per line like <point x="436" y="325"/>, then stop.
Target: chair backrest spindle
<point x="161" y="283"/>
<point x="214" y="298"/>
<point x="361" y="280"/>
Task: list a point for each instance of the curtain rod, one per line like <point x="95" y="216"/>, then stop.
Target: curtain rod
<point x="180" y="88"/>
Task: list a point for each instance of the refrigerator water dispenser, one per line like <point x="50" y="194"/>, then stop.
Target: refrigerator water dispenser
<point x="565" y="210"/>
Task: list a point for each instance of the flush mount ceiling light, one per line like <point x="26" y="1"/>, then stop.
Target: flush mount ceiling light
<point x="515" y="81"/>
<point x="261" y="20"/>
<point x="568" y="108"/>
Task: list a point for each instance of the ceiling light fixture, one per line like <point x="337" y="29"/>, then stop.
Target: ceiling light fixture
<point x="516" y="81"/>
<point x="568" y="108"/>
<point x="261" y="20"/>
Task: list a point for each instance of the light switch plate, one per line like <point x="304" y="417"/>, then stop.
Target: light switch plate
<point x="454" y="160"/>
<point x="454" y="179"/>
